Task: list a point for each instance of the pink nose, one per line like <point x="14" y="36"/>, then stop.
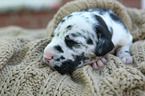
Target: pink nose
<point x="48" y="54"/>
<point x="47" y="58"/>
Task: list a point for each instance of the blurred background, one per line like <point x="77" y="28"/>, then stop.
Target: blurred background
<point x="36" y="14"/>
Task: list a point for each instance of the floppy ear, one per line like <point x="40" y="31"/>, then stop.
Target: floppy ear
<point x="104" y="44"/>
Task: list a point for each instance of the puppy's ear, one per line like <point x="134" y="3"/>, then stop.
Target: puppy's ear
<point x="104" y="44"/>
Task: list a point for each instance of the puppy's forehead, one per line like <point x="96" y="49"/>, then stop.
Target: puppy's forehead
<point x="74" y="23"/>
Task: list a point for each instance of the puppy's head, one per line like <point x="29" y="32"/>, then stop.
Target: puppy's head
<point x="77" y="38"/>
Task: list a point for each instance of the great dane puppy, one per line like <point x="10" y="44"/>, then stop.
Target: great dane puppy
<point x="82" y="36"/>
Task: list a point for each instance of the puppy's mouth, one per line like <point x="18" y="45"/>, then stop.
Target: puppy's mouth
<point x="48" y="62"/>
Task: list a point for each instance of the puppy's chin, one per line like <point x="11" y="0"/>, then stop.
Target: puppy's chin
<point x="67" y="66"/>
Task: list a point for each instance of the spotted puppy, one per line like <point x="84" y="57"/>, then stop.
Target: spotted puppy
<point x="84" y="35"/>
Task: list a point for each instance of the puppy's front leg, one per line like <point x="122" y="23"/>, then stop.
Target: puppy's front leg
<point x="124" y="54"/>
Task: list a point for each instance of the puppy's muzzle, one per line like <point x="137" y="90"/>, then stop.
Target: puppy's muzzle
<point x="48" y="56"/>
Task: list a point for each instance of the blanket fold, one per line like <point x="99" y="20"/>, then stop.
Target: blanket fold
<point x="22" y="72"/>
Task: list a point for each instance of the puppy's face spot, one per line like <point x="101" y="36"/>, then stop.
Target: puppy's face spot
<point x="58" y="48"/>
<point x="73" y="44"/>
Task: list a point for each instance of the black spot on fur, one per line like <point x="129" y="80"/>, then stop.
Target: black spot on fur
<point x="58" y="59"/>
<point x="79" y="34"/>
<point x="52" y="35"/>
<point x="62" y="57"/>
<point x="58" y="48"/>
<point x="70" y="65"/>
<point x="74" y="35"/>
<point x="89" y="41"/>
<point x="102" y="10"/>
<point x="62" y="21"/>
<point x="69" y="27"/>
<point x="70" y="43"/>
<point x="114" y="17"/>
<point x="111" y="30"/>
<point x="69" y="16"/>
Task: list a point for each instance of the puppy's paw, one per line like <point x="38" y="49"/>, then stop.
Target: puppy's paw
<point x="127" y="60"/>
<point x="99" y="63"/>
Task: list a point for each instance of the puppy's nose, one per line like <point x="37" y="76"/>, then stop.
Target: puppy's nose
<point x="48" y="55"/>
<point x="47" y="58"/>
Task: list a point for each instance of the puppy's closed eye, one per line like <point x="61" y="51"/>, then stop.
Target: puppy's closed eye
<point x="71" y="43"/>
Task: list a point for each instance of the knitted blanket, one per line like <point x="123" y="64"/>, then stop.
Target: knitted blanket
<point x="22" y="72"/>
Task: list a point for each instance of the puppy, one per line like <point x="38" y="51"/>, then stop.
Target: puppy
<point x="82" y="36"/>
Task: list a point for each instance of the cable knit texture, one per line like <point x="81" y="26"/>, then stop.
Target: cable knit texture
<point x="22" y="72"/>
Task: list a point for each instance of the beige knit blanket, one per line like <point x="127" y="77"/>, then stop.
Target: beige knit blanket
<point x="22" y="72"/>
